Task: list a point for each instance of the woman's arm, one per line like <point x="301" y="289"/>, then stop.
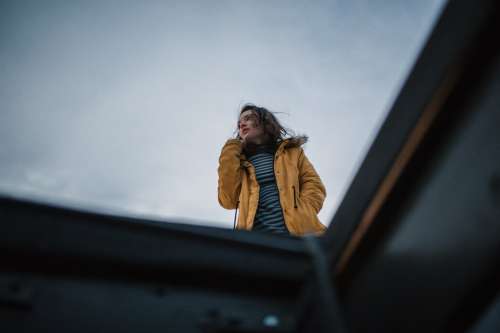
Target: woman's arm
<point x="312" y="190"/>
<point x="229" y="170"/>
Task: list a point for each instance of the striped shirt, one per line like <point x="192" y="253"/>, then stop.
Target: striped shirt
<point x="269" y="215"/>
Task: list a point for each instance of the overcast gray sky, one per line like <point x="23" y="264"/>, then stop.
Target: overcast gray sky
<point x="123" y="106"/>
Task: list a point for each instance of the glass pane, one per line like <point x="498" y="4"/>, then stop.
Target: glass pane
<point x="124" y="106"/>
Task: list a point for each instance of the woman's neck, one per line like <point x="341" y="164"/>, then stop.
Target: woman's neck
<point x="254" y="148"/>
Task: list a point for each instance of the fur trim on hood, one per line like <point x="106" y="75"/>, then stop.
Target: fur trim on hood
<point x="295" y="141"/>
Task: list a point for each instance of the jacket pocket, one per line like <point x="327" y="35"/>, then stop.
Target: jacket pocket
<point x="294" y="197"/>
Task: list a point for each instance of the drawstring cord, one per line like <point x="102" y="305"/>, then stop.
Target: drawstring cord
<point x="235" y="212"/>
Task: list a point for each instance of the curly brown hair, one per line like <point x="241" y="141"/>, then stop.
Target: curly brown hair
<point x="273" y="129"/>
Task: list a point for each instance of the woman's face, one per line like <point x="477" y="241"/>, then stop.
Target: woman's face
<point x="249" y="127"/>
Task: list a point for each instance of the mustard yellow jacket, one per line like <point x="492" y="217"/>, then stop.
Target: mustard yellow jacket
<point x="300" y="189"/>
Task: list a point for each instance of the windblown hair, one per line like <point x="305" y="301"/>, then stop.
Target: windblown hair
<point x="273" y="129"/>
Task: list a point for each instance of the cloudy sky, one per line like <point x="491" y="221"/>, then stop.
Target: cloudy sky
<point x="123" y="106"/>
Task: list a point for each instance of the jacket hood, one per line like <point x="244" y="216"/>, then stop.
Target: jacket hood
<point x="294" y="142"/>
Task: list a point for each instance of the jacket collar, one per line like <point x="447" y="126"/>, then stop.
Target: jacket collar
<point x="282" y="146"/>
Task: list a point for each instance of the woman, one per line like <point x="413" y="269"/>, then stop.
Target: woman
<point x="265" y="173"/>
